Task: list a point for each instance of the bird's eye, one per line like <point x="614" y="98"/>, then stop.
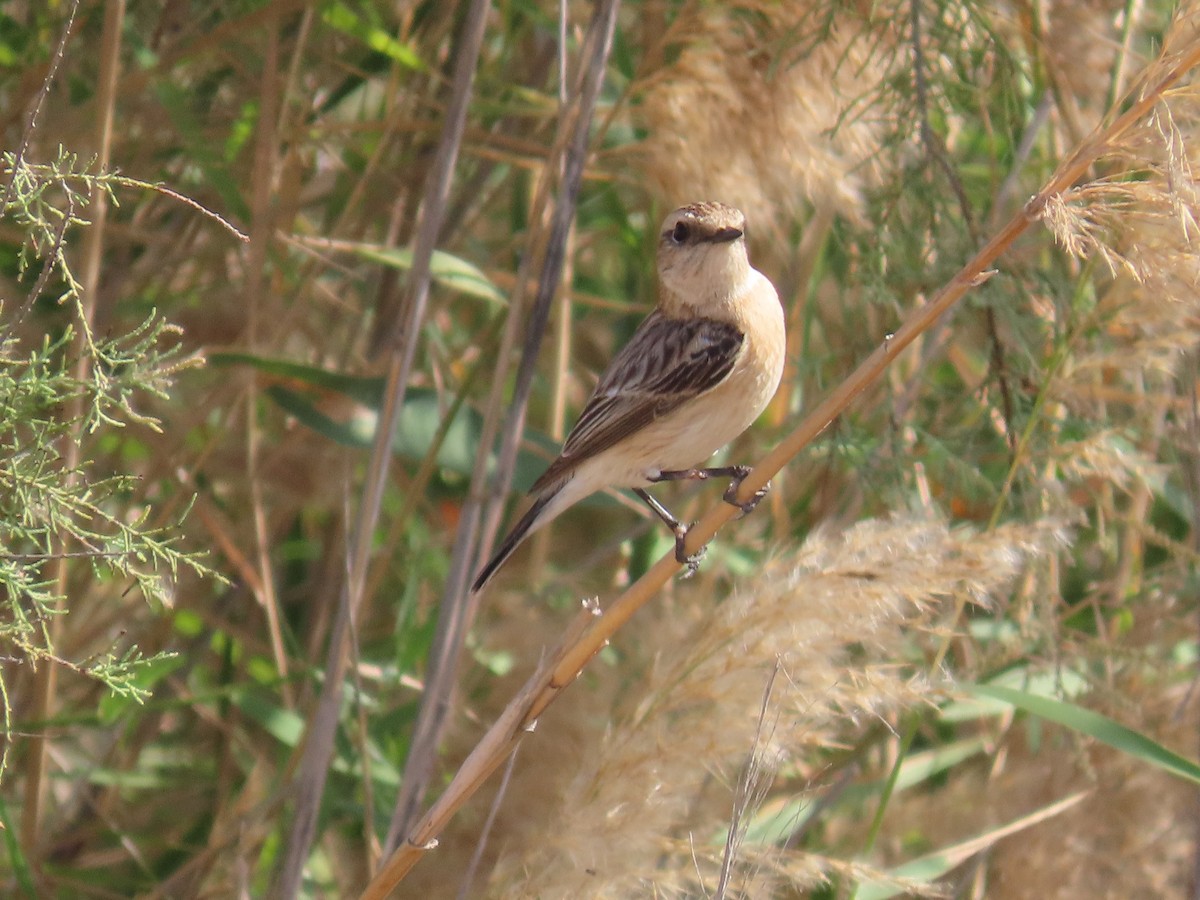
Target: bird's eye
<point x="680" y="233"/>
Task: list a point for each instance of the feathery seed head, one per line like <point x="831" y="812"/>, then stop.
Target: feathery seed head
<point x="753" y="109"/>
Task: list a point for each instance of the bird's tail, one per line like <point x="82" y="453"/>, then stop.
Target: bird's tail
<point x="543" y="510"/>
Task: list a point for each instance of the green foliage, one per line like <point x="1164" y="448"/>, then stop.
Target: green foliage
<point x="1085" y="721"/>
<point x="424" y="429"/>
<point x="61" y="393"/>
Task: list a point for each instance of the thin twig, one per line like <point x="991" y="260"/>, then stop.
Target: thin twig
<point x="56" y="59"/>
<point x="749" y="787"/>
<point x="464" y="888"/>
<point x="49" y="265"/>
<point x="1191" y="480"/>
<point x="262" y="229"/>
<point x="1130" y="13"/>
<point x="937" y="152"/>
<point x="186" y="201"/>
<point x="933" y="144"/>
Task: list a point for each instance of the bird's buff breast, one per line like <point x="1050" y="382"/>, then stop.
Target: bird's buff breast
<point x="689" y="435"/>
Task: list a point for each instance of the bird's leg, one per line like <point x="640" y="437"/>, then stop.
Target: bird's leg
<point x="737" y="473"/>
<point x="692" y="561"/>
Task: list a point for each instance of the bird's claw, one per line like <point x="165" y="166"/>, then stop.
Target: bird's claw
<point x="690" y="561"/>
<point x="730" y="495"/>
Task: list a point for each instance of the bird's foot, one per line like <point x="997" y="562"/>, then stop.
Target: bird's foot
<point x="730" y="496"/>
<point x="690" y="561"/>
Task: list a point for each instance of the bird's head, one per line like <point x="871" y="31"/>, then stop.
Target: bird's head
<point x="702" y="255"/>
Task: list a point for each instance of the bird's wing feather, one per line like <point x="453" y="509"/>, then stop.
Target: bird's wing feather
<point x="666" y="363"/>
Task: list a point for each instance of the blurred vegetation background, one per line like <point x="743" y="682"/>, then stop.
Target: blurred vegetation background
<point x="211" y="213"/>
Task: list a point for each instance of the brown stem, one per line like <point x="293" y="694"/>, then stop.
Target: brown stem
<point x="458" y="607"/>
<point x="318" y="747"/>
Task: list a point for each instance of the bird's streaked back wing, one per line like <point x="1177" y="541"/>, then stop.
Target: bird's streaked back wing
<point x="665" y="364"/>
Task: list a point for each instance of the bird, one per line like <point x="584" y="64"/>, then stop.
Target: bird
<point x="698" y="371"/>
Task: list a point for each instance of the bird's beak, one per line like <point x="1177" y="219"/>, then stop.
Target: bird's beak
<point x="725" y="235"/>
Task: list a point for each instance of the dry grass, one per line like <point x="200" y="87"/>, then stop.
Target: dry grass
<point x="1045" y="435"/>
<point x="842" y="621"/>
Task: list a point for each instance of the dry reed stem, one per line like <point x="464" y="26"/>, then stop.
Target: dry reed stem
<point x="458" y="606"/>
<point x="589" y="632"/>
<point x="318" y="748"/>
<point x="261" y="230"/>
<point x="455" y="613"/>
